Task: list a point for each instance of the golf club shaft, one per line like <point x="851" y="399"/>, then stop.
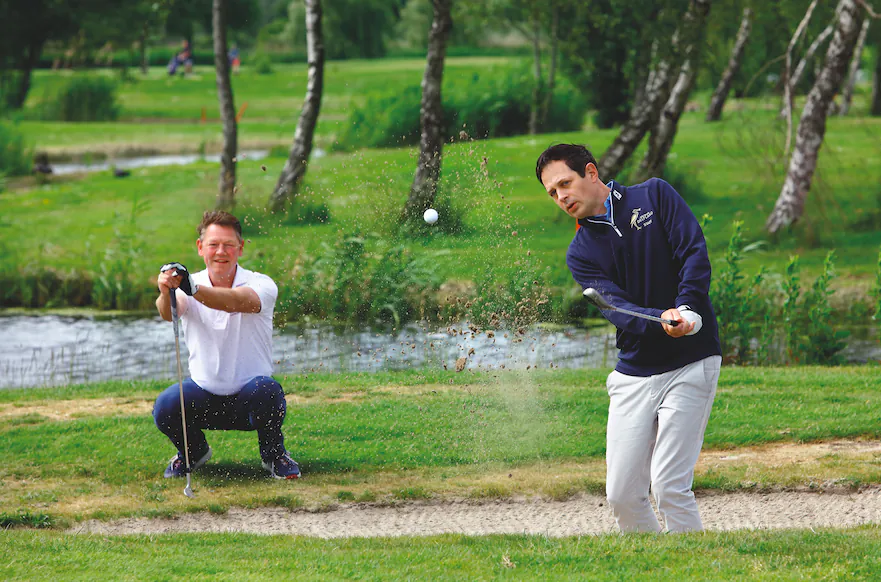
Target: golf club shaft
<point x="172" y="295"/>
<point x="671" y="322"/>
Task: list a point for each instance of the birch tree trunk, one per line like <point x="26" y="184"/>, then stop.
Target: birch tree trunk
<point x="645" y="112"/>
<point x="552" y="67"/>
<point x="812" y="126"/>
<point x="535" y="107"/>
<point x="424" y="187"/>
<point x="847" y="94"/>
<point x="802" y="64"/>
<point x="664" y="132"/>
<point x="875" y="107"/>
<point x="295" y="167"/>
<point x="226" y="192"/>
<point x="720" y="95"/>
<point x="142" y="41"/>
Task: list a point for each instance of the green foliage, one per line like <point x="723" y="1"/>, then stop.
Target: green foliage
<point x="262" y="63"/>
<point x="353" y="29"/>
<point x="518" y="300"/>
<point x="358" y="279"/>
<point x="15" y="155"/>
<point x="118" y="284"/>
<point x="737" y="305"/>
<point x="483" y="106"/>
<point x="305" y="211"/>
<point x="25" y="519"/>
<point x="823" y="342"/>
<point x="84" y="99"/>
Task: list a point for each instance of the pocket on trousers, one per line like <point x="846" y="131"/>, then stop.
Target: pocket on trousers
<point x="712" y="368"/>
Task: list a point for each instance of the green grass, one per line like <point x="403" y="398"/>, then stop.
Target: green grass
<point x="853" y="554"/>
<point x="407" y="435"/>
<point x="158" y="109"/>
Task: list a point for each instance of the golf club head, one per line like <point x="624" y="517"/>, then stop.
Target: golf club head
<point x="594" y="297"/>
<point x="188" y="490"/>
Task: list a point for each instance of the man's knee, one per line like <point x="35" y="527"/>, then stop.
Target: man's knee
<point x="671" y="496"/>
<point x="267" y="394"/>
<point x="166" y="409"/>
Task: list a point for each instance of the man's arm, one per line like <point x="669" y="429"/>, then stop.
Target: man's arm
<point x="689" y="247"/>
<point x="236" y="300"/>
<point x="588" y="274"/>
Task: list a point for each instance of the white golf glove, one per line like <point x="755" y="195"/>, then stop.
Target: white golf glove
<point x="691" y="317"/>
<point x="187" y="285"/>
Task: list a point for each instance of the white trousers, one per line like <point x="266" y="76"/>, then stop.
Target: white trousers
<point x="653" y="439"/>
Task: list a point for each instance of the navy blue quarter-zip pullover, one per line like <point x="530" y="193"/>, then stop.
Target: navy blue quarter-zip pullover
<point x="648" y="254"/>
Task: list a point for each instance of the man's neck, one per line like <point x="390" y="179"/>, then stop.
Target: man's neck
<point x="223" y="280"/>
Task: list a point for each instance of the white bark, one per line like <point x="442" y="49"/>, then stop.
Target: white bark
<point x="847" y="93"/>
<point x="664" y="132"/>
<point x="295" y="167"/>
<point x="717" y="102"/>
<point x="646" y="111"/>
<point x="812" y="126"/>
<point x="787" y="87"/>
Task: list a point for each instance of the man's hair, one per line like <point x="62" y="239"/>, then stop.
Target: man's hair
<point x="576" y="157"/>
<point x="221" y="218"/>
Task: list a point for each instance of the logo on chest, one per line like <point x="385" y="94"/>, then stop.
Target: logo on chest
<point x="638" y="221"/>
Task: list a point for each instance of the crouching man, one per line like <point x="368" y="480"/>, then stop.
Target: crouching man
<point x="226" y="312"/>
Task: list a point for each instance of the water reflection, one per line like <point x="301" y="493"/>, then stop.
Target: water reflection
<point x="50" y="350"/>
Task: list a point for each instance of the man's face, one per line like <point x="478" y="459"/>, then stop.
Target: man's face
<point x="578" y="197"/>
<point x="221" y="248"/>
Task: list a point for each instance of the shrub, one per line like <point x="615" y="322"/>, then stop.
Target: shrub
<point x="262" y="64"/>
<point x="84" y="99"/>
<point x="359" y="279"/>
<point x="479" y="107"/>
<point x="15" y="156"/>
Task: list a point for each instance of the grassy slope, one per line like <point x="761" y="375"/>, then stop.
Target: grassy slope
<point x="69" y="224"/>
<point x="376" y="437"/>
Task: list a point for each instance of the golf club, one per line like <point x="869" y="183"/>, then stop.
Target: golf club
<point x="594" y="297"/>
<point x="172" y="295"/>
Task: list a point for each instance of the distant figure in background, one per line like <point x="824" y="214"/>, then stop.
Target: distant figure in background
<point x="41" y="164"/>
<point x="184" y="57"/>
<point x="235" y="60"/>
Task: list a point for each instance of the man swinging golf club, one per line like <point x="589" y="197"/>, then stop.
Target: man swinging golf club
<point x="640" y="255"/>
<point x="226" y="312"/>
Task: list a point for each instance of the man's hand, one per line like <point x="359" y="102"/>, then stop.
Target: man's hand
<point x="684" y="328"/>
<point x="174" y="275"/>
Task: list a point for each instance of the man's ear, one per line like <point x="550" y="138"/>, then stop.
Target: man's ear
<point x="590" y="171"/>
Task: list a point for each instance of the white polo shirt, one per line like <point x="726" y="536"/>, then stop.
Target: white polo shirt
<point x="229" y="349"/>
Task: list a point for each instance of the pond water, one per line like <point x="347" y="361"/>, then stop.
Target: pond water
<point x="150" y="162"/>
<point x="52" y="350"/>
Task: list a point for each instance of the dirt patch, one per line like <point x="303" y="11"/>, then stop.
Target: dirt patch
<point x="781" y="454"/>
<point x="586" y="515"/>
<point x="73" y="409"/>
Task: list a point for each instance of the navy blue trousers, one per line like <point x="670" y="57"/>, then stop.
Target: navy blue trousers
<point x="260" y="406"/>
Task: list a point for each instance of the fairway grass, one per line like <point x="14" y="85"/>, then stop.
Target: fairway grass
<point x="853" y="554"/>
<point x="418" y="435"/>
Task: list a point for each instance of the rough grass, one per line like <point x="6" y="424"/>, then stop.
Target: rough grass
<point x="485" y="436"/>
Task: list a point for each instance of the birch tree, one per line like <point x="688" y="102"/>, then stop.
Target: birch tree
<point x="424" y="187"/>
<point x="657" y="90"/>
<point x="720" y="95"/>
<point x="294" y="170"/>
<point x="226" y="192"/>
<point x="812" y="125"/>
<point x="847" y="93"/>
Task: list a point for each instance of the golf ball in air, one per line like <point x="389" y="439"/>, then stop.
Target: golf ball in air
<point x="430" y="216"/>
